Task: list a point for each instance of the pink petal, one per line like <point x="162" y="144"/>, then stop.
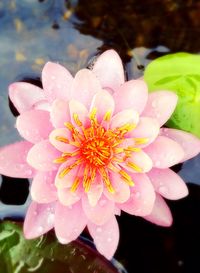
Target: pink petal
<point x="85" y="86"/>
<point x="122" y="190"/>
<point x="106" y="237"/>
<point x="132" y="94"/>
<point x="168" y="183"/>
<point x="189" y="142"/>
<point x="34" y="125"/>
<point x="79" y="109"/>
<point x="59" y="113"/>
<point x="109" y="70"/>
<point x="13" y="160"/>
<point x="141" y="159"/>
<point x="56" y="81"/>
<point x="67" y="197"/>
<point x="25" y="95"/>
<point x="146" y="128"/>
<point x="43" y="189"/>
<point x="101" y="213"/>
<point x="122" y="118"/>
<point x="160" y="105"/>
<point x="42" y="155"/>
<point x="161" y="214"/>
<point x="42" y="105"/>
<point x="68" y="180"/>
<point x="117" y="211"/>
<point x="142" y="196"/>
<point x="95" y="192"/>
<point x="69" y="222"/>
<point x="39" y="219"/>
<point x="164" y="152"/>
<point x="104" y="103"/>
<point x="61" y="146"/>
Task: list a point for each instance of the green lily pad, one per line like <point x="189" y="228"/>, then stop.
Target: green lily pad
<point x="46" y="255"/>
<point x="180" y="73"/>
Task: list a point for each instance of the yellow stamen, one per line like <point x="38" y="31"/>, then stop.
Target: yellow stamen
<point x="141" y="140"/>
<point x="65" y="156"/>
<point x="127" y="178"/>
<point x="132" y="149"/>
<point x="107" y="116"/>
<point x="119" y="150"/>
<point x="106" y="180"/>
<point x="62" y="139"/>
<point x="93" y="115"/>
<point x="127" y="127"/>
<point x="77" y="120"/>
<point x="68" y="169"/>
<point x="75" y="184"/>
<point x="134" y="166"/>
<point x="61" y="159"/>
<point x="69" y="126"/>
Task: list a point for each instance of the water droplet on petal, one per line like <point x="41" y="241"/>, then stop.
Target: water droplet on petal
<point x="29" y="172"/>
<point x="109" y="239"/>
<point x="154" y="104"/>
<point x="137" y="194"/>
<point x="51" y="218"/>
<point x="157" y="163"/>
<point x="99" y="230"/>
<point x="102" y="203"/>
<point x="157" y="115"/>
<point x="162" y="189"/>
<point x="53" y="77"/>
<point x="40" y="229"/>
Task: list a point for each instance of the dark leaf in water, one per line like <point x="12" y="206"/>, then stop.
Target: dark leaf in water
<point x="46" y="255"/>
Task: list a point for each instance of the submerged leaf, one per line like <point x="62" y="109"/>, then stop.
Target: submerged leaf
<point x="46" y="255"/>
<point x="180" y="73"/>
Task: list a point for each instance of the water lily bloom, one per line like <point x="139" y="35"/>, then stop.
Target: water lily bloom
<point x="94" y="147"/>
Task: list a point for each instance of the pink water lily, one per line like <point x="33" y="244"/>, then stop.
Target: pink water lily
<point x="93" y="146"/>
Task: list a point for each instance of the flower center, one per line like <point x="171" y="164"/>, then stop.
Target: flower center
<point x="99" y="150"/>
<point x="96" y="151"/>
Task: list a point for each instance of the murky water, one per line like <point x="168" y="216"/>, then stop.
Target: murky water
<point x="71" y="33"/>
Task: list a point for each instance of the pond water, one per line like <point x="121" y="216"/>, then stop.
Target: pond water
<point x="72" y="32"/>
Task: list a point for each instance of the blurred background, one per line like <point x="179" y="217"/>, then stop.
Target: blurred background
<point x="72" y="33"/>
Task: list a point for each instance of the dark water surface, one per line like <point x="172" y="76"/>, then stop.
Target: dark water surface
<point x="72" y="32"/>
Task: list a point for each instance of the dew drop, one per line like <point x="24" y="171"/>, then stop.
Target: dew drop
<point x="29" y="172"/>
<point x="40" y="229"/>
<point x="102" y="203"/>
<point x="137" y="194"/>
<point x="154" y="104"/>
<point x="99" y="230"/>
<point x="109" y="239"/>
<point x="157" y="115"/>
<point x="51" y="218"/>
<point x="27" y="133"/>
<point x="157" y="163"/>
<point x="163" y="189"/>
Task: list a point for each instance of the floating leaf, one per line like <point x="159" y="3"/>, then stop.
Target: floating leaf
<point x="180" y="73"/>
<point x="46" y="255"/>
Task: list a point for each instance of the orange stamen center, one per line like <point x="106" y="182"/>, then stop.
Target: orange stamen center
<point x="99" y="150"/>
